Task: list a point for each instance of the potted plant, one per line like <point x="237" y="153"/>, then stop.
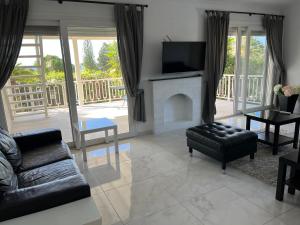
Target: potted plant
<point x="287" y="96"/>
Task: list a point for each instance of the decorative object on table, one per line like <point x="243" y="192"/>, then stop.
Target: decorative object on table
<point x="287" y="96"/>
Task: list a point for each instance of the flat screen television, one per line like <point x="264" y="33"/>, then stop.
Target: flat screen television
<point x="183" y="56"/>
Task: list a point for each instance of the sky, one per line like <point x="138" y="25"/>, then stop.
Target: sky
<point x="52" y="47"/>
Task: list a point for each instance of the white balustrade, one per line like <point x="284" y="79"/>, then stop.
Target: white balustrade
<point x="255" y="87"/>
<point x="21" y="98"/>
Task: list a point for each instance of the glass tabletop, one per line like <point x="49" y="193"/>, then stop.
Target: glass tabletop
<point x="273" y="115"/>
<point x="94" y="124"/>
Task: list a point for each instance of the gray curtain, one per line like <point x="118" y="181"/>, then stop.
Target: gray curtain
<point x="216" y="51"/>
<point x="13" y="14"/>
<point x="274" y="30"/>
<point x="130" y="31"/>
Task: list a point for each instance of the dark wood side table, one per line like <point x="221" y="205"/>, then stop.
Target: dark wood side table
<point x="276" y="118"/>
<point x="292" y="160"/>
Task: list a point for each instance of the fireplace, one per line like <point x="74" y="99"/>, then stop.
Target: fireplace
<point x="179" y="107"/>
<point x="176" y="103"/>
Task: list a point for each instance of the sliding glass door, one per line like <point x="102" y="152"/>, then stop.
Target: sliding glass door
<point x="95" y="78"/>
<point x="251" y="70"/>
<point x="65" y="74"/>
<point x="243" y="87"/>
<point x="35" y="96"/>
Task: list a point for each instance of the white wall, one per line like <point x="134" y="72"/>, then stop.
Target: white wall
<point x="292" y="45"/>
<point x="181" y="20"/>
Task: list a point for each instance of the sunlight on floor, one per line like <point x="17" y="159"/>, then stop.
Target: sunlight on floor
<point x="60" y="118"/>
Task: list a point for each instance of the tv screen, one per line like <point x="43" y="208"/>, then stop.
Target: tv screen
<point x="183" y="56"/>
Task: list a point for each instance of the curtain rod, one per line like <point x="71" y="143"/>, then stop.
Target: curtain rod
<point x="98" y="2"/>
<point x="248" y="13"/>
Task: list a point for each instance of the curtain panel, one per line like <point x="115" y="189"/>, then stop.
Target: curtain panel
<point x="217" y="26"/>
<point x="13" y="14"/>
<point x="130" y="31"/>
<point x="274" y="31"/>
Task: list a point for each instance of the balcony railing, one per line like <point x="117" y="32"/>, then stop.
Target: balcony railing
<point x="254" y="89"/>
<point x="29" y="97"/>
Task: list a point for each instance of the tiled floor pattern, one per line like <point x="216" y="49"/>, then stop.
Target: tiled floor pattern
<point x="154" y="181"/>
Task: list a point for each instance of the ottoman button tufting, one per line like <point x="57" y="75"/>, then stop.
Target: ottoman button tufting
<point x="222" y="142"/>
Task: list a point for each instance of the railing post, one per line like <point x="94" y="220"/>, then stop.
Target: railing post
<point x="109" y="90"/>
<point x="80" y="92"/>
<point x="228" y="87"/>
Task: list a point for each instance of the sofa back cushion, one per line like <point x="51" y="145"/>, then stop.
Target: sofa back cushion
<point x="8" y="179"/>
<point x="10" y="149"/>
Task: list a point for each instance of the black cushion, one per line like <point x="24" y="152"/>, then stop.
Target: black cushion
<point x="44" y="155"/>
<point x="10" y="149"/>
<point x="219" y="136"/>
<point x="30" y="140"/>
<point x="24" y="201"/>
<point x="48" y="173"/>
<point x="8" y="179"/>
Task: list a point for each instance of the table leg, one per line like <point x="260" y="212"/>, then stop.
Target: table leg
<point x="296" y="135"/>
<point x="267" y="131"/>
<point x="276" y="140"/>
<point x="108" y="155"/>
<point x="281" y="180"/>
<point x="248" y="123"/>
<point x="83" y="148"/>
<point x="292" y="190"/>
<point x="77" y="140"/>
<point x="116" y="139"/>
<point x="106" y="136"/>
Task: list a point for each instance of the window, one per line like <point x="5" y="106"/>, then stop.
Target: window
<point x="243" y="86"/>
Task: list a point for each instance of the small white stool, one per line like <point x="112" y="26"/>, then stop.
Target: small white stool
<point x="96" y="125"/>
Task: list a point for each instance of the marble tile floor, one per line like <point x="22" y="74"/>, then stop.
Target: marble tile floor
<point x="154" y="181"/>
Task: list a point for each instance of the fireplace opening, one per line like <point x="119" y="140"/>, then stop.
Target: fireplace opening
<point x="178" y="108"/>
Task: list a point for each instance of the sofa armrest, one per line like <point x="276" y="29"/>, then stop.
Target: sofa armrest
<point x="41" y="197"/>
<point x="34" y="139"/>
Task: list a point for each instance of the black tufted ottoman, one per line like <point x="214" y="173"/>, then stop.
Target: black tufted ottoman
<point x="222" y="142"/>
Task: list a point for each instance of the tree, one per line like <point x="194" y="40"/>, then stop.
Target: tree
<point x="103" y="58"/>
<point x="113" y="63"/>
<point x="18" y="70"/>
<point x="256" y="58"/>
<point x="53" y="63"/>
<point x="88" y="57"/>
<point x="230" y="60"/>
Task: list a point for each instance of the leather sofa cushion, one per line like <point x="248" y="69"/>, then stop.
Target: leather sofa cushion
<point x="10" y="149"/>
<point x="34" y="199"/>
<point x="48" y="173"/>
<point x="8" y="179"/>
<point x="45" y="155"/>
<point x="34" y="139"/>
<point x="220" y="136"/>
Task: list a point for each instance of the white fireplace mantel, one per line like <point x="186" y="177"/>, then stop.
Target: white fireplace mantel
<point x="176" y="101"/>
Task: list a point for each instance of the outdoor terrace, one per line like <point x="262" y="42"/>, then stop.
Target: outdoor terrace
<point x="95" y="98"/>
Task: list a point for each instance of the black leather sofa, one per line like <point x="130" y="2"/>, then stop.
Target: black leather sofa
<point x="222" y="142"/>
<point x="37" y="172"/>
